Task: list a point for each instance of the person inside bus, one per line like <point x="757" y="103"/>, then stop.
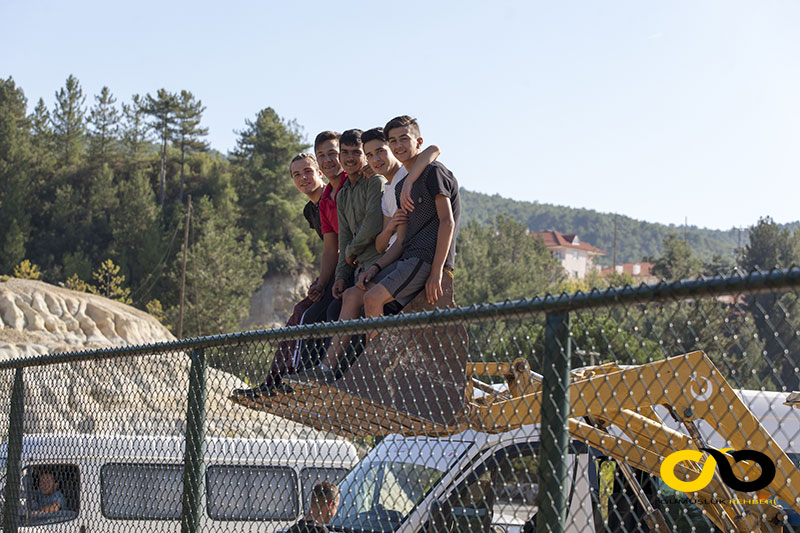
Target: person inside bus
<point x="46" y="498"/>
<point x="322" y="508"/>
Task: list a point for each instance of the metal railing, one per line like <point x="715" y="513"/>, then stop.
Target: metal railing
<point x="620" y="325"/>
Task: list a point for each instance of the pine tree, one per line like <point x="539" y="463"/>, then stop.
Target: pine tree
<point x="163" y="121"/>
<point x="42" y="139"/>
<point x="188" y="131"/>
<point x="135" y="228"/>
<point x="221" y="274"/>
<point x="772" y="247"/>
<point x="677" y="261"/>
<point x="15" y="187"/>
<point x="101" y="207"/>
<point x="104" y="119"/>
<point x="69" y="123"/>
<point x="769" y="247"/>
<point x="110" y="283"/>
<point x="135" y="130"/>
<point x="271" y="205"/>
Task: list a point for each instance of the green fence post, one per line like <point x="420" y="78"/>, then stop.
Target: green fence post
<point x="554" y="447"/>
<point x="14" y="461"/>
<point x="195" y="444"/>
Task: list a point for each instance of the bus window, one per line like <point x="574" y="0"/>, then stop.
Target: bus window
<point x="239" y="492"/>
<point x="50" y="493"/>
<point x="141" y="491"/>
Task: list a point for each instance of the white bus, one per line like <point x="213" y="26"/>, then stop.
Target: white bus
<point x="135" y="483"/>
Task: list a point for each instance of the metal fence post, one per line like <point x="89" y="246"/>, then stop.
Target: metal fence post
<point x="554" y="436"/>
<point x="14" y="461"/>
<point x="195" y="443"/>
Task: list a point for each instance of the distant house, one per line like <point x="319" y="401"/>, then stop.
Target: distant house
<point x="576" y="257"/>
<point x="641" y="272"/>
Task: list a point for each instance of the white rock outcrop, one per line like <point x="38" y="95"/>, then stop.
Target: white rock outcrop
<point x="133" y="395"/>
<point x="273" y="302"/>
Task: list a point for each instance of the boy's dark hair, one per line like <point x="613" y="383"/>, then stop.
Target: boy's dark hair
<point x="324" y="492"/>
<point x="351" y="137"/>
<point x="326" y="135"/>
<point x="399" y="122"/>
<point x="375" y="134"/>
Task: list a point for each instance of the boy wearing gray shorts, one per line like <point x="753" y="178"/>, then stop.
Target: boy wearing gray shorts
<point x="429" y="238"/>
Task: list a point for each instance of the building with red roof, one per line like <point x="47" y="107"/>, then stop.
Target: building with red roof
<point x="576" y="256"/>
<point x="641" y="272"/>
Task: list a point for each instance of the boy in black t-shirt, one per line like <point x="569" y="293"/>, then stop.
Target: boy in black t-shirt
<point x="429" y="238"/>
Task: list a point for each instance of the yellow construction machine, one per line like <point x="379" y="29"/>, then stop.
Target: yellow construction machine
<point x="638" y="415"/>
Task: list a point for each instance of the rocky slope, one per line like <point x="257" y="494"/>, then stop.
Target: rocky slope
<point x="134" y="395"/>
<point x="272" y="303"/>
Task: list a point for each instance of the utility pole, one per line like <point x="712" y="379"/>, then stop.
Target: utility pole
<point x="183" y="266"/>
<point x="614" y="254"/>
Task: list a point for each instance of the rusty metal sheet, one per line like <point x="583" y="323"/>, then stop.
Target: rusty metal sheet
<point x="418" y="372"/>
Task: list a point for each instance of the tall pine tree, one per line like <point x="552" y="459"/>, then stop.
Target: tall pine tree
<point x="104" y="120"/>
<point x="14" y="175"/>
<point x="221" y="273"/>
<point x="135" y="130"/>
<point x="69" y="124"/>
<point x="161" y="109"/>
<point x="271" y="205"/>
<point x="136" y="230"/>
<point x="188" y="132"/>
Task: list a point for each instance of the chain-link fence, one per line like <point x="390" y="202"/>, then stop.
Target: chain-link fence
<point x="663" y="407"/>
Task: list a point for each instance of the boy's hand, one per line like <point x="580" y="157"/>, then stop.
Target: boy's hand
<point x="400" y="217"/>
<point x="365" y="277"/>
<point x="315" y="292"/>
<point x="350" y="261"/>
<point x="338" y="289"/>
<point x="433" y="287"/>
<point x="405" y="197"/>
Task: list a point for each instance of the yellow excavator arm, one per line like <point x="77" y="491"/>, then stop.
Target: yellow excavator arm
<point x="689" y="386"/>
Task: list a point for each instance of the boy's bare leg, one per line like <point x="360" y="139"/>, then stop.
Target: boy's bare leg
<point x="352" y="300"/>
<point x="374" y="300"/>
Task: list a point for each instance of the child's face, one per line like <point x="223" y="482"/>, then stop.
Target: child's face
<point x="404" y="143"/>
<point x="47" y="484"/>
<point x="378" y="156"/>
<point x="352" y="158"/>
<point x="328" y="158"/>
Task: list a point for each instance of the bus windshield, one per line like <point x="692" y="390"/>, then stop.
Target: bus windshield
<point x="378" y="496"/>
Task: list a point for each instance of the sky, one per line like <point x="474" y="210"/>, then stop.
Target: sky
<point x="667" y="111"/>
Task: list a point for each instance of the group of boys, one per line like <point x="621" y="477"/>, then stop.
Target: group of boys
<point x="388" y="219"/>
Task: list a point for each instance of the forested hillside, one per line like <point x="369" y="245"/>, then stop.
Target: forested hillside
<point x="94" y="195"/>
<point x="635" y="239"/>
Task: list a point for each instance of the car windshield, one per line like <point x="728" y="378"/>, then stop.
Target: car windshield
<point x="378" y="496"/>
